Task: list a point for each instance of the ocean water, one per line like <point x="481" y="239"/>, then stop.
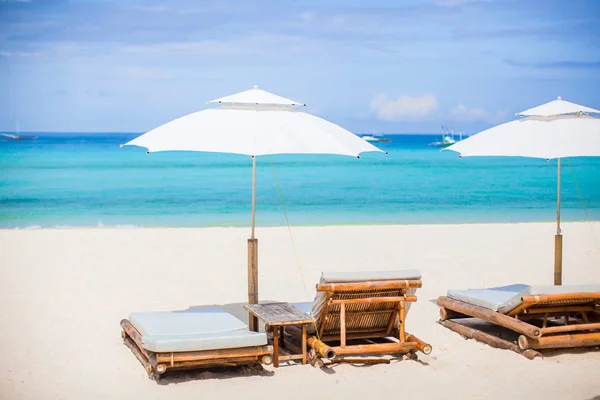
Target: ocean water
<point x="66" y="180"/>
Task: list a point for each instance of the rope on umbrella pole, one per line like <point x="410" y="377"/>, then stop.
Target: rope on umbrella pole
<point x="583" y="205"/>
<point x="288" y="226"/>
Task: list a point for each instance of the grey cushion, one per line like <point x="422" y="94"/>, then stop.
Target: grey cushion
<point x="502" y="299"/>
<point x="506" y="298"/>
<point x="193" y="330"/>
<point x="365" y="276"/>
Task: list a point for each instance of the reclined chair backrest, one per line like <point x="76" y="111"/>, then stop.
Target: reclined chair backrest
<point x="371" y="301"/>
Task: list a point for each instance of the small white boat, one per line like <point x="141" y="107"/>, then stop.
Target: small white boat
<point x="373" y="138"/>
<point x="370" y="138"/>
<point x="447" y="139"/>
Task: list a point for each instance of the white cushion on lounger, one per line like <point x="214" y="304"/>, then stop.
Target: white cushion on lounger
<point x="193" y="330"/>
<point x="501" y="299"/>
<point x="506" y="298"/>
<point x="365" y="276"/>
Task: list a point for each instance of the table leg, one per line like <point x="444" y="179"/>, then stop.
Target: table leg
<point x="304" y="344"/>
<point x="276" y="347"/>
<point x="281" y="338"/>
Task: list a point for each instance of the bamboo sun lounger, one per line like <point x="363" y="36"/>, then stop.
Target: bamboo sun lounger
<point x="362" y="313"/>
<point x="544" y="317"/>
<point x="195" y="338"/>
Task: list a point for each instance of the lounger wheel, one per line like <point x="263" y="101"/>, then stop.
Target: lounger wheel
<point x="123" y="335"/>
<point x="267" y="359"/>
<point x="161" y="368"/>
<point x="411" y="356"/>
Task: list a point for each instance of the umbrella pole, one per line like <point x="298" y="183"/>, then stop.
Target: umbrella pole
<point x="558" y="239"/>
<point x="253" y="257"/>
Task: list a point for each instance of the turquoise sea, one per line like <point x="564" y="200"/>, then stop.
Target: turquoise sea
<point x="67" y="179"/>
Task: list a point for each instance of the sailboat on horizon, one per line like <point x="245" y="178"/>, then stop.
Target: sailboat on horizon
<point x="16" y="135"/>
<point x="447" y="138"/>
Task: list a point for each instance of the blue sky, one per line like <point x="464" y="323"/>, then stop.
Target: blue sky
<point x="391" y="66"/>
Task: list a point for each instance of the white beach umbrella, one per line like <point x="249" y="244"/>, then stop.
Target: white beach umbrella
<point x="253" y="123"/>
<point x="556" y="129"/>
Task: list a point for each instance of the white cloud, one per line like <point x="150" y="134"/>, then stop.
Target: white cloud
<point x="307" y="16"/>
<point x="471" y="114"/>
<point x="404" y="107"/>
<point x="18" y="54"/>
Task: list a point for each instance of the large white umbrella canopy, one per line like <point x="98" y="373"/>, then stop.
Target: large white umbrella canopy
<point x="253" y="123"/>
<point x="556" y="129"/>
<point x="255" y="131"/>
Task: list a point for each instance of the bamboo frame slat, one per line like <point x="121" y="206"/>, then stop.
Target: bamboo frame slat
<point x="275" y="334"/>
<point x="363" y="300"/>
<point x="380" y="348"/>
<point x="290" y="357"/>
<point x="257" y="351"/>
<point x="213" y="362"/>
<point x="556" y="309"/>
<point x="372" y="285"/>
<point x="402" y="322"/>
<point x="560" y="341"/>
<point x="449" y="314"/>
<point x="391" y="322"/>
<point x="491" y="316"/>
<point x="570" y="328"/>
<point x="423" y="347"/>
<point x="343" y="324"/>
<point x="486" y="338"/>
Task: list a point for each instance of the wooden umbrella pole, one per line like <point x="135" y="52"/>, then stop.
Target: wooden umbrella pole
<point x="558" y="240"/>
<point x="253" y="257"/>
<point x="254" y="195"/>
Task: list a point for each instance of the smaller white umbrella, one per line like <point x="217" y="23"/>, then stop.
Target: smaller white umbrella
<point x="556" y="129"/>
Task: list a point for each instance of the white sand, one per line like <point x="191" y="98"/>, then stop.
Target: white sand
<point x="63" y="293"/>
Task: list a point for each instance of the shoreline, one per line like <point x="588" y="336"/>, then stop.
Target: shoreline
<point x="308" y="225"/>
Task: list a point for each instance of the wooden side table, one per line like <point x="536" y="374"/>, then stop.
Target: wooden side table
<point x="277" y="316"/>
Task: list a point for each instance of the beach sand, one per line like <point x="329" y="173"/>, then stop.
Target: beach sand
<point x="63" y="293"/>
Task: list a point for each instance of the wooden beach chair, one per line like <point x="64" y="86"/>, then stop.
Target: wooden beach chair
<point x="362" y="313"/>
<point x="194" y="338"/>
<point x="534" y="317"/>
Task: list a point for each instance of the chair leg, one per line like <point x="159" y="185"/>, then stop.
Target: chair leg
<point x="401" y="328"/>
<point x="343" y="325"/>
